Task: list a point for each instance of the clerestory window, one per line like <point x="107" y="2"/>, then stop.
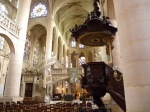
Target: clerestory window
<point x="39" y="10"/>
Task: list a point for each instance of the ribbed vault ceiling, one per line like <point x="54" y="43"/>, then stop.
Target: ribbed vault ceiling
<point x="69" y="13"/>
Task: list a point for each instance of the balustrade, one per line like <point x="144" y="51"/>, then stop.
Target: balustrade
<point x="57" y="71"/>
<point x="51" y="60"/>
<point x="9" y="25"/>
<point x="49" y="78"/>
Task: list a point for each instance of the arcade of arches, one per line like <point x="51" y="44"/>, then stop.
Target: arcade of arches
<point x="39" y="57"/>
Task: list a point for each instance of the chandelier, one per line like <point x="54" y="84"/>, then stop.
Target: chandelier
<point x="96" y="30"/>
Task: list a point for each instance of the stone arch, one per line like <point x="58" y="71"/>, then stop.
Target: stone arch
<point x="81" y="54"/>
<point x="32" y="24"/>
<point x="38" y="33"/>
<point x="9" y="42"/>
<point x="38" y="29"/>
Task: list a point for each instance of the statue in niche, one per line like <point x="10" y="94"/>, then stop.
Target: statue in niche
<point x="73" y="58"/>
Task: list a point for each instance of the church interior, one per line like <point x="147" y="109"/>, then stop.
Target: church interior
<point x="74" y="56"/>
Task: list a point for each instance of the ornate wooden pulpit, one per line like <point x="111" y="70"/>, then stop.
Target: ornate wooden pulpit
<point x="99" y="79"/>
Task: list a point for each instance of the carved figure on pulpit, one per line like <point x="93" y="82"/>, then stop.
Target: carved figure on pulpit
<point x="98" y="57"/>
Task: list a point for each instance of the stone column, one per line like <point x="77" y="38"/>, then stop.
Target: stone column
<point x="49" y="37"/>
<point x="56" y="46"/>
<point x="77" y="60"/>
<point x="60" y="51"/>
<point x="69" y="87"/>
<point x="12" y="86"/>
<point x="51" y="92"/>
<point x="64" y="86"/>
<point x="65" y="56"/>
<point x="133" y="23"/>
<point x="116" y="50"/>
<point x="69" y="60"/>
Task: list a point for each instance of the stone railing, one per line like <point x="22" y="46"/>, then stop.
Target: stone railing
<point x="52" y="60"/>
<point x="48" y="78"/>
<point x="59" y="64"/>
<point x="61" y="73"/>
<point x="42" y="65"/>
<point x="9" y="25"/>
<point x="65" y="70"/>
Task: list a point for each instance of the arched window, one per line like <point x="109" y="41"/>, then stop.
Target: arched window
<point x="36" y="54"/>
<point x="81" y="46"/>
<point x="3" y="9"/>
<point x="81" y="59"/>
<point x="73" y="43"/>
<point x="1" y="43"/>
<point x="27" y="47"/>
<point x="39" y="10"/>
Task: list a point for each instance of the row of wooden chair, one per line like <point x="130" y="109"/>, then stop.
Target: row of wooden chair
<point x="42" y="107"/>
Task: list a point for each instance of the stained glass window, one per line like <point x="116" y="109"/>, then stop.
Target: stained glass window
<point x="27" y="47"/>
<point x="36" y="54"/>
<point x="1" y="43"/>
<point x="3" y="9"/>
<point x="39" y="11"/>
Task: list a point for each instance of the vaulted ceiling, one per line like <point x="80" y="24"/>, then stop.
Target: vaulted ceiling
<point x="70" y="13"/>
<point x="67" y="13"/>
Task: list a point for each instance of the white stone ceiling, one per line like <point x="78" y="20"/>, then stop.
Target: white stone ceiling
<point x="67" y="13"/>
